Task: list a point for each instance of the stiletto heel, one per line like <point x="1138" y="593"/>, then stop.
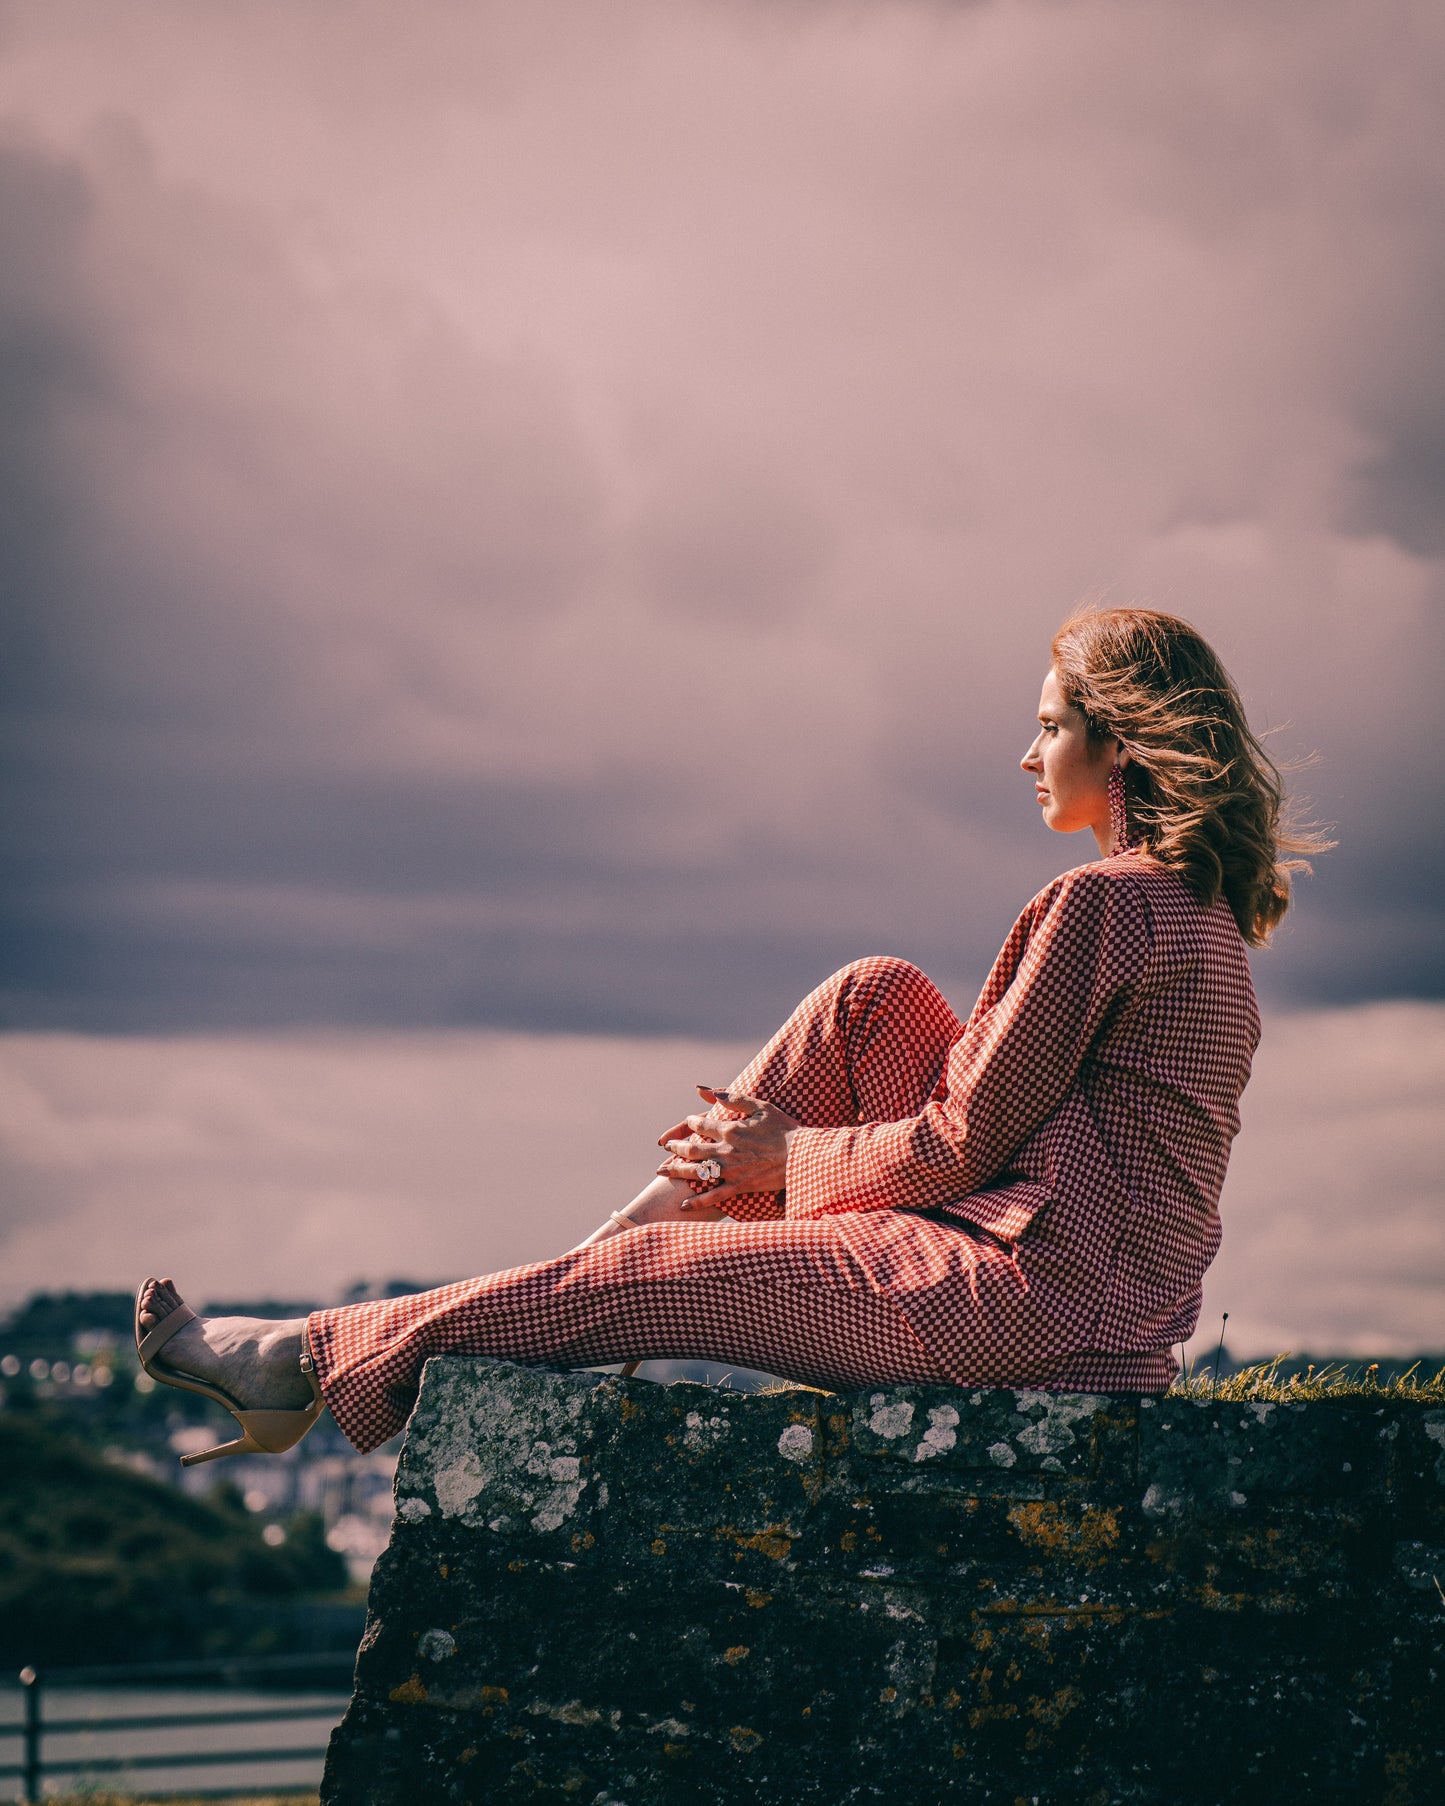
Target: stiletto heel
<point x="262" y="1432"/>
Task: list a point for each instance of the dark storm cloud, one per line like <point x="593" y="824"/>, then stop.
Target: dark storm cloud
<point x="1400" y="489"/>
<point x="516" y="522"/>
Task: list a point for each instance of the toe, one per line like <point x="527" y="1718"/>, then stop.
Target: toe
<point x="158" y="1299"/>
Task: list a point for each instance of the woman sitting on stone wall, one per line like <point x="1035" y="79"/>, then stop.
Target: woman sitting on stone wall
<point x="887" y="1195"/>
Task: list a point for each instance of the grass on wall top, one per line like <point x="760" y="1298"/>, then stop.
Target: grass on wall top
<point x="1269" y="1381"/>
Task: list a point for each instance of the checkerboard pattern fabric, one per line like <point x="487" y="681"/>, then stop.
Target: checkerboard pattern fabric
<point x="786" y="1298"/>
<point x="1027" y="1198"/>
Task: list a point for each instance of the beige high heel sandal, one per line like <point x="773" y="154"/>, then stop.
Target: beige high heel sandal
<point x="262" y="1432"/>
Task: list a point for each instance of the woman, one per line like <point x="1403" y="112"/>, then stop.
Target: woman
<point x="887" y="1195"/>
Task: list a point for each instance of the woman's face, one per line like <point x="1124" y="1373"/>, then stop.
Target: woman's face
<point x="1071" y="769"/>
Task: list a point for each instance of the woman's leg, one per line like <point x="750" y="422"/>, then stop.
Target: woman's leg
<point x="788" y="1298"/>
<point x="868" y="1045"/>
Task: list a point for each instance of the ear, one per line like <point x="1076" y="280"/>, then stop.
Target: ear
<point x="1121" y="758"/>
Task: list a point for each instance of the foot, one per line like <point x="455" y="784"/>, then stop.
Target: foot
<point x="255" y="1360"/>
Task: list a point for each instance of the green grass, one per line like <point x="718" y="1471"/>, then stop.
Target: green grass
<point x="1275" y="1383"/>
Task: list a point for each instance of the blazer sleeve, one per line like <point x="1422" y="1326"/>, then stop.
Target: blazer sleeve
<point x="1085" y="944"/>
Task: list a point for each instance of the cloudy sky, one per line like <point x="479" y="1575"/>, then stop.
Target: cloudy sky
<point x="531" y="533"/>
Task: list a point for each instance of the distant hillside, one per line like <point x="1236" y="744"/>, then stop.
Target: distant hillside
<point x="48" y="1321"/>
<point x="52" y="1318"/>
<point x="102" y="1564"/>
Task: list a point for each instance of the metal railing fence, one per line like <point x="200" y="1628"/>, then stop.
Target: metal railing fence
<point x="35" y="1726"/>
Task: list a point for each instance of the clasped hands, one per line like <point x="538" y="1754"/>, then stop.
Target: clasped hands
<point x="743" y="1136"/>
<point x="748" y="1140"/>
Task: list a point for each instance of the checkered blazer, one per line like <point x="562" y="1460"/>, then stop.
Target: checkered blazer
<point x="1088" y="1105"/>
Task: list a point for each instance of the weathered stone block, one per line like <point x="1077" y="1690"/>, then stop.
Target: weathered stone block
<point x="635" y="1595"/>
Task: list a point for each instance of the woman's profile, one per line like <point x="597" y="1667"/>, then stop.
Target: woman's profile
<point x="886" y="1194"/>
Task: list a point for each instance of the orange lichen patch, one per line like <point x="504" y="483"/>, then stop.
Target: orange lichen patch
<point x="1210" y="1597"/>
<point x="469" y="1754"/>
<point x="756" y="1599"/>
<point x="983" y="1637"/>
<point x="1056" y="1708"/>
<point x="1083" y="1535"/>
<point x="1111" y="1614"/>
<point x="952" y="1700"/>
<point x="887" y="1695"/>
<point x="848" y="1541"/>
<point x="744" y="1738"/>
<point x="630" y="1408"/>
<point x="515" y="1567"/>
<point x="584" y="1540"/>
<point x="774" y="1542"/>
<point x="1400" y="1767"/>
<point x="676" y="1750"/>
<point x="444" y="1569"/>
<point x="495" y="1695"/>
<point x="985" y="1714"/>
<point x="409" y="1693"/>
<point x="735" y="1655"/>
<point x="658" y="1546"/>
<point x="958" y="1752"/>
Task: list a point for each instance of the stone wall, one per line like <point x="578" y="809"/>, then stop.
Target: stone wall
<point x="623" y="1594"/>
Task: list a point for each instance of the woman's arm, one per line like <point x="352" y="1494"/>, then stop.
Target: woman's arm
<point x="1078" y="950"/>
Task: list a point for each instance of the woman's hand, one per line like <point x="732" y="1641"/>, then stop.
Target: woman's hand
<point x="745" y="1137"/>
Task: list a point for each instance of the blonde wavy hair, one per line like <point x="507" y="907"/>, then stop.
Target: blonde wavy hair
<point x="1200" y="788"/>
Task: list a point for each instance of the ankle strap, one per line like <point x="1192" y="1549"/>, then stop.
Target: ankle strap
<point x="155" y="1338"/>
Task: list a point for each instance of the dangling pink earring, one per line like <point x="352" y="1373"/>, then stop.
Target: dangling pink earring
<point x="1118" y="810"/>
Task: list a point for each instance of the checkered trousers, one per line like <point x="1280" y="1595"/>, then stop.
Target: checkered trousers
<point x="790" y="1299"/>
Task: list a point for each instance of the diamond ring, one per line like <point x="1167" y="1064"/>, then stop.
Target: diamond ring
<point x="709" y="1171"/>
